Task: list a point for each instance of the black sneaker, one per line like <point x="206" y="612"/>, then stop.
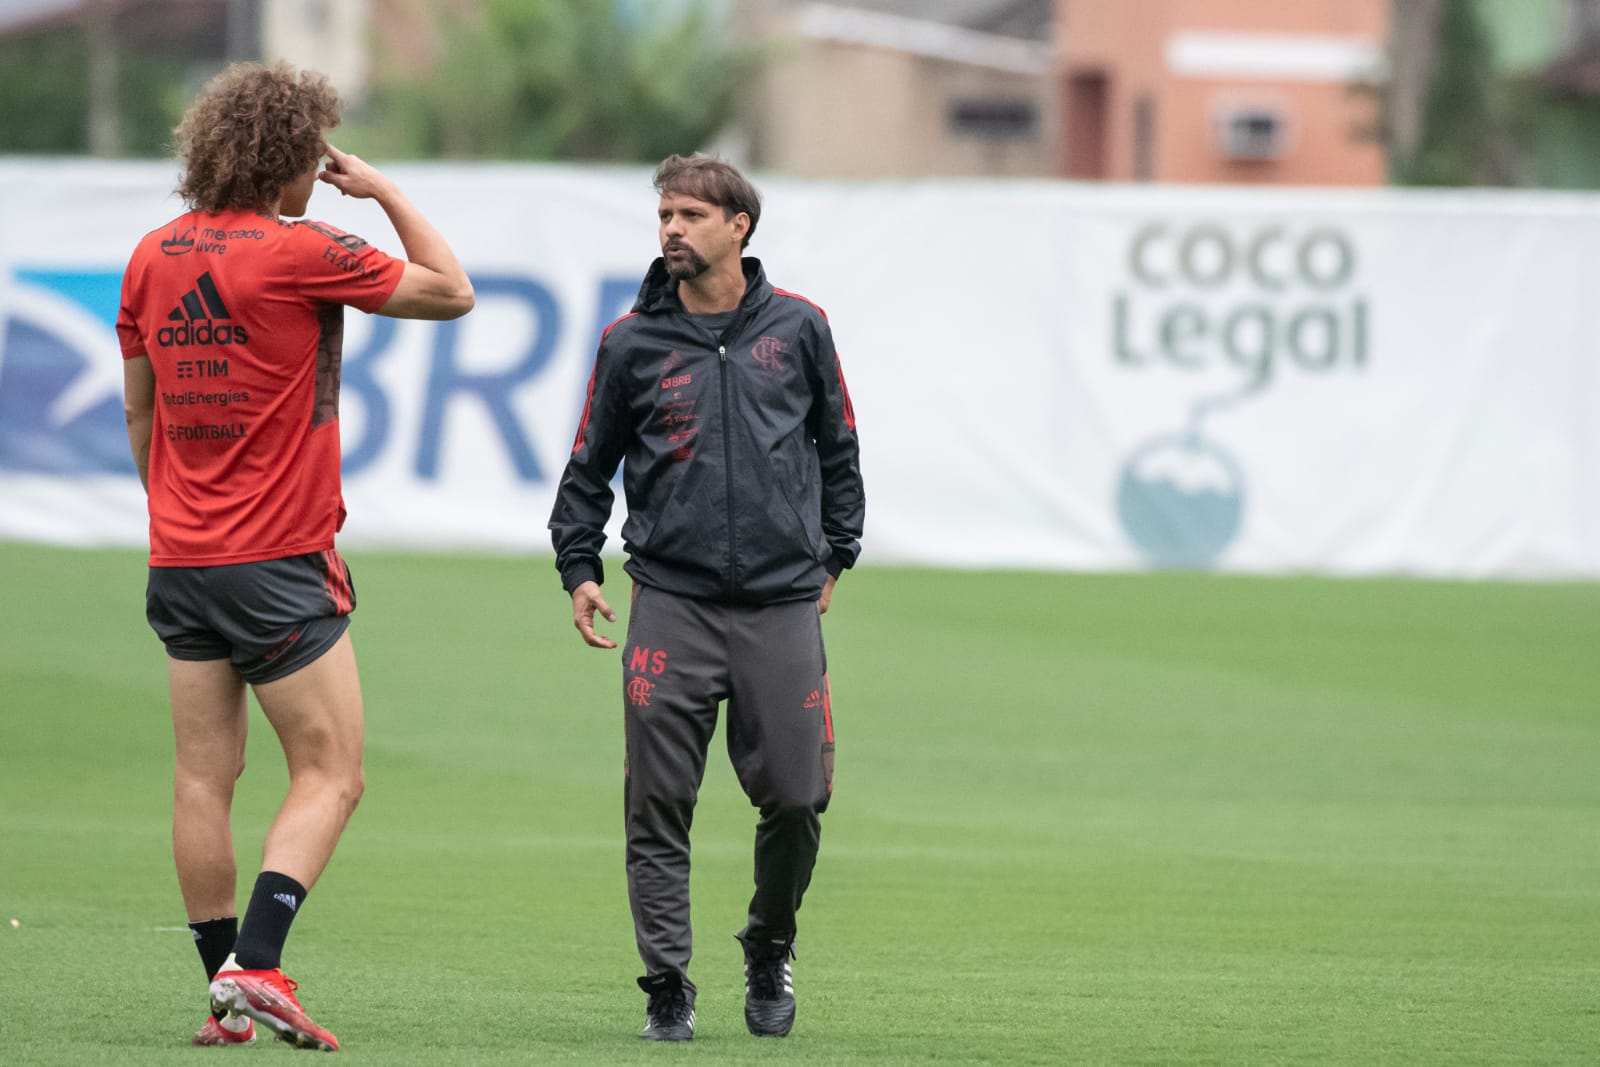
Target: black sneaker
<point x="768" y="987"/>
<point x="670" y="1013"/>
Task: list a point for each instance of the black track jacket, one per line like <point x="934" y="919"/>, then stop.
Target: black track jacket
<point x="741" y="464"/>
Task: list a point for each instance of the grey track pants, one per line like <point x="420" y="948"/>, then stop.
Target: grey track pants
<point x="682" y="658"/>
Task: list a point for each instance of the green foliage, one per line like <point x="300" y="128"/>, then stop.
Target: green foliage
<point x="1558" y="136"/>
<point x="1463" y="139"/>
<point x="1492" y="116"/>
<point x="1096" y="819"/>
<point x="587" y="80"/>
<point x="44" y="96"/>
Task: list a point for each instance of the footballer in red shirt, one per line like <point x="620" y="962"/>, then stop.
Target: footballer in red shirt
<point x="231" y="327"/>
<point x="241" y="316"/>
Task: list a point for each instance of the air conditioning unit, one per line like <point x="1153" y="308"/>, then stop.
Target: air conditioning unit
<point x="1246" y="131"/>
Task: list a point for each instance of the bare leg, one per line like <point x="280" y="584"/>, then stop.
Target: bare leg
<point x="209" y="725"/>
<point x="317" y="713"/>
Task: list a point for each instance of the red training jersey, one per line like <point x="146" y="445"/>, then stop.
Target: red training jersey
<point x="242" y="318"/>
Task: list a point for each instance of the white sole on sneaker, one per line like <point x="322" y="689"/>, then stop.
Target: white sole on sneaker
<point x="226" y="994"/>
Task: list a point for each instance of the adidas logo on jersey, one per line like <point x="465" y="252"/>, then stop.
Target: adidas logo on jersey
<point x="196" y="315"/>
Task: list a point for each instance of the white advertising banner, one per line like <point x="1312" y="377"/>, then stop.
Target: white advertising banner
<point x="1045" y="375"/>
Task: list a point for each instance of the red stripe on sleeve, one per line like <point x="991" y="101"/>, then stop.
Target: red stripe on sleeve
<point x="803" y="300"/>
<point x="849" y="407"/>
<point x="588" y="396"/>
<point x="583" y="420"/>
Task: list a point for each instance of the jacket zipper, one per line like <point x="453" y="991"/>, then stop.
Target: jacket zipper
<point x="727" y="470"/>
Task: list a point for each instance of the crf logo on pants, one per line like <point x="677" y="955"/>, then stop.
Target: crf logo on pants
<point x="639" y="692"/>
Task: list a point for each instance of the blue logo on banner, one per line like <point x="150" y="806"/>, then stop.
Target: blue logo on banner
<point x="61" y="375"/>
<point x="1182" y="497"/>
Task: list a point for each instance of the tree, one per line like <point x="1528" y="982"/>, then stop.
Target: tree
<point x="1463" y="137"/>
<point x="593" y="80"/>
<point x="45" y="81"/>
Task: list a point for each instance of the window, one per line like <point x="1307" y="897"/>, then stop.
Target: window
<point x="1246" y="131"/>
<point x="994" y="119"/>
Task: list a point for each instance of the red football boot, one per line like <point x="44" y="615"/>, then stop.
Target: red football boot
<point x="268" y="998"/>
<point x="215" y="1035"/>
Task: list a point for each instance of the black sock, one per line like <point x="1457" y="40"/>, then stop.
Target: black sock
<point x="214" y="938"/>
<point x="273" y="905"/>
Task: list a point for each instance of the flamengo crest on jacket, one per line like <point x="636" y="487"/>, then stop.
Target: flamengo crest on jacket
<point x="741" y="464"/>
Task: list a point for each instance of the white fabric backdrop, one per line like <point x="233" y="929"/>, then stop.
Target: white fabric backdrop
<point x="1044" y="374"/>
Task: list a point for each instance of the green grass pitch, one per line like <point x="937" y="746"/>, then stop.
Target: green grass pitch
<point x="1158" y="819"/>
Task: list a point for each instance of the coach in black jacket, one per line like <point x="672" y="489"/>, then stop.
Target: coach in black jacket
<point x="723" y="399"/>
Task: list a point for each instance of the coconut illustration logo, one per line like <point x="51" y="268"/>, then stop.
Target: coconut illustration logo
<point x="1234" y="308"/>
<point x="1181" y="499"/>
<point x="61" y="375"/>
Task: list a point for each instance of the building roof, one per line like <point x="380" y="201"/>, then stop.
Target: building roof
<point x="1028" y="20"/>
<point x="200" y="25"/>
<point x="20" y="14"/>
<point x="860" y="25"/>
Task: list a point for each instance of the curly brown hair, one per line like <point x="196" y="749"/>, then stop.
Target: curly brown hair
<point x="252" y="131"/>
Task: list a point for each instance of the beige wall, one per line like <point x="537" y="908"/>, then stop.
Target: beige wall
<point x="834" y="109"/>
<point x="1129" y="45"/>
<point x="324" y="35"/>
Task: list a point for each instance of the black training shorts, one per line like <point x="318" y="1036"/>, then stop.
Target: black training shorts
<point x="268" y="618"/>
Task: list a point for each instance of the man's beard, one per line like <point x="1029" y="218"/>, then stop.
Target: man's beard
<point x="689" y="265"/>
